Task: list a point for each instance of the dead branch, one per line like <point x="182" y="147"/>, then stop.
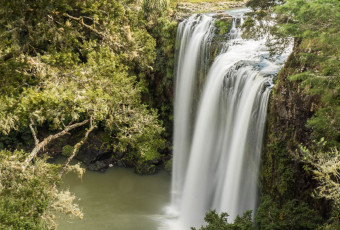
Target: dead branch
<point x="48" y="139"/>
<point x="77" y="147"/>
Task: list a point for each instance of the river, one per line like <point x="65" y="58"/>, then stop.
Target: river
<point x="118" y="199"/>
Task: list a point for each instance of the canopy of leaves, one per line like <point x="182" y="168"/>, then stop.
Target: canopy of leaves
<point x="325" y="166"/>
<point x="262" y="4"/>
<point x="62" y="62"/>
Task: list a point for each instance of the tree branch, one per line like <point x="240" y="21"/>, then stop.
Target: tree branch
<point x="48" y="139"/>
<point x="36" y="141"/>
<point x="77" y="147"/>
<point x="80" y="19"/>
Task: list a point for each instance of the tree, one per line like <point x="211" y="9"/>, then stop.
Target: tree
<point x="29" y="197"/>
<point x="66" y="62"/>
<point x="325" y="166"/>
<point x="69" y="65"/>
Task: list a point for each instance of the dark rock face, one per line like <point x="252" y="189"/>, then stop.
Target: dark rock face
<point x="96" y="152"/>
<point x="146" y="168"/>
<point x="282" y="176"/>
<point x="94" y="148"/>
<point x="98" y="165"/>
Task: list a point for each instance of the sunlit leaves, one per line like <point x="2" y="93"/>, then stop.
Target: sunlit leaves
<point x="28" y="198"/>
<point x="325" y="166"/>
<point x="82" y="56"/>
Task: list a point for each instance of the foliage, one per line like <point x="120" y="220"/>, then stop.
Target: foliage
<point x="312" y="71"/>
<point x="258" y="5"/>
<point x="220" y="222"/>
<point x="153" y="9"/>
<point x="159" y="81"/>
<point x="325" y="166"/>
<point x="168" y="166"/>
<point x="195" y="1"/>
<point x="66" y="61"/>
<point x="277" y="172"/>
<point x="65" y="64"/>
<point x="316" y="25"/>
<point x="29" y="198"/>
<point x="223" y="26"/>
<point x="292" y="215"/>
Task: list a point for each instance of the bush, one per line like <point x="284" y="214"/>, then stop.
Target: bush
<point x="220" y="222"/>
<point x="292" y="215"/>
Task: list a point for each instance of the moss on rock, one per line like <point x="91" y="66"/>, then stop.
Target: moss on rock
<point x="223" y="25"/>
<point x="282" y="175"/>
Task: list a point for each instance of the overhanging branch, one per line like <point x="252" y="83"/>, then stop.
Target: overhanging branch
<point x="42" y="144"/>
<point x="80" y="19"/>
<point x="36" y="141"/>
<point x="77" y="147"/>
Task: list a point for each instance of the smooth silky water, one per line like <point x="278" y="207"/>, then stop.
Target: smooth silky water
<point x="219" y="121"/>
<point x="118" y="199"/>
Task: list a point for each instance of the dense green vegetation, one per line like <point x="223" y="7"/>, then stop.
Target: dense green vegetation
<point x="71" y="67"/>
<point x="215" y="221"/>
<point x="66" y="62"/>
<point x="29" y="196"/>
<point x="316" y="23"/>
<point x="268" y="217"/>
<point x="304" y="107"/>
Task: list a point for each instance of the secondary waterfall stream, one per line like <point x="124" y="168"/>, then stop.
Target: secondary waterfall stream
<point x="220" y="113"/>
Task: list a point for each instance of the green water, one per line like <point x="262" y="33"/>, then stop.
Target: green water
<point x="118" y="200"/>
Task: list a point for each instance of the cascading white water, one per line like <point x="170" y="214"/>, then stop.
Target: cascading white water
<point x="194" y="36"/>
<point x="217" y="146"/>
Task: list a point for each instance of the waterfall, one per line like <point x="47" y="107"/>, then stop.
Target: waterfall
<point x="220" y="113"/>
<point x="193" y="35"/>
